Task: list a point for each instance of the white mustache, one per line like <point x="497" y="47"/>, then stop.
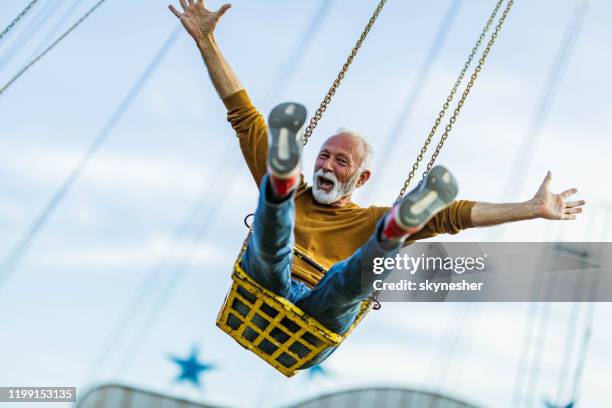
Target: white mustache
<point x="337" y="191"/>
<point x="327" y="175"/>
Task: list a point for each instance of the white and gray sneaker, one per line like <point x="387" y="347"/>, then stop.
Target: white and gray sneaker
<point x="413" y="211"/>
<point x="285" y="123"/>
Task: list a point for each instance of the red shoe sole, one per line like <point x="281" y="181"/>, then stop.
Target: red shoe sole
<point x="283" y="187"/>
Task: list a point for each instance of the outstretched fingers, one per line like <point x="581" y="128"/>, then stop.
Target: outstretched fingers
<point x="571" y="207"/>
<point x="547" y="179"/>
<point x="223" y="9"/>
<point x="186" y="5"/>
<point x="175" y="11"/>
<point x="568" y="192"/>
<point x="572" y="204"/>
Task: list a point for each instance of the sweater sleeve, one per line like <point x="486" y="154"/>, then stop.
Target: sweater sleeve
<point x="251" y="130"/>
<point x="454" y="218"/>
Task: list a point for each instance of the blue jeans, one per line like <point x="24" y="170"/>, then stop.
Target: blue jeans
<point x="335" y="301"/>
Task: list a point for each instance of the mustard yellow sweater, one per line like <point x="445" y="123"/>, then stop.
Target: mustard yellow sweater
<point x="325" y="233"/>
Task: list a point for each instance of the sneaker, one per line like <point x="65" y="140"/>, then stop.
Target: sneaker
<point x="285" y="146"/>
<point x="408" y="216"/>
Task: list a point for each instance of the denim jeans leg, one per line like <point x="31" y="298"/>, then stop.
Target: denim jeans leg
<point x="336" y="299"/>
<point x="269" y="252"/>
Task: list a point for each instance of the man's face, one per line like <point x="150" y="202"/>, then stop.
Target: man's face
<point x="336" y="171"/>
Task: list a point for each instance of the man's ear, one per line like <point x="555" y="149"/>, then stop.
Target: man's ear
<point x="363" y="177"/>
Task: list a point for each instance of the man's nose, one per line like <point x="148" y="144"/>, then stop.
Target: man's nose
<point x="327" y="165"/>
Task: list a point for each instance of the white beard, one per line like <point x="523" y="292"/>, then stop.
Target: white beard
<point x="338" y="190"/>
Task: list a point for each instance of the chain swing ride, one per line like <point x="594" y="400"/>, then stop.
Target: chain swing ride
<point x="270" y="326"/>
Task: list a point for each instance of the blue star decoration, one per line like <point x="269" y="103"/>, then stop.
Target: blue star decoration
<point x="316" y="370"/>
<point x="191" y="368"/>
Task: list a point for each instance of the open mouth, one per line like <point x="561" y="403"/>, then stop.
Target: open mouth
<point x="325" y="184"/>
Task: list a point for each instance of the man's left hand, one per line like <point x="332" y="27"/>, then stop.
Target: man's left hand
<point x="554" y="206"/>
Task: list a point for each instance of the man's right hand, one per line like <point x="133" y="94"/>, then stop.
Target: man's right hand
<point x="197" y="20"/>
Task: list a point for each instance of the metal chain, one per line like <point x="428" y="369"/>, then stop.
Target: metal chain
<point x="49" y="48"/>
<point x="314" y="121"/>
<point x="16" y="19"/>
<point x="470" y="84"/>
<point x="451" y="96"/>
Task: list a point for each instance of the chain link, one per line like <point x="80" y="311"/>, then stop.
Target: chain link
<point x="16" y="19"/>
<point x="314" y="121"/>
<point x="464" y="96"/>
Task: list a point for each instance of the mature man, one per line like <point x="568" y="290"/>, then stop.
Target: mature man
<point x="321" y="220"/>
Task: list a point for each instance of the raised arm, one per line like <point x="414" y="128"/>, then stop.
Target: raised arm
<point x="200" y="23"/>
<point x="543" y="205"/>
<point x="249" y="125"/>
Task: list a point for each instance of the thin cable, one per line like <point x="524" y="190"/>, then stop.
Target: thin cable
<point x="152" y="278"/>
<point x="539" y="348"/>
<point x="571" y="335"/>
<point x="10" y="261"/>
<point x="175" y="277"/>
<point x="521" y="378"/>
<point x="318" y="115"/>
<point x="49" y="48"/>
<point x="584" y="348"/>
<point x="67" y="14"/>
<point x="533" y="376"/>
<point x="590" y="315"/>
<point x="29" y="31"/>
<point x="18" y="18"/>
<point x="421" y="79"/>
<point x="523" y="361"/>
<point x="555" y="77"/>
<point x="462" y="99"/>
<point x="475" y="320"/>
<point x="456" y="326"/>
<point x="292" y="62"/>
<point x="570" y="339"/>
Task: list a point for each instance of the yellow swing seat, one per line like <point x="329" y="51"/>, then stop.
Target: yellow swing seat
<point x="274" y="328"/>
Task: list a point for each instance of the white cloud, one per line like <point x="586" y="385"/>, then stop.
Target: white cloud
<point x="47" y="165"/>
<point x="135" y="255"/>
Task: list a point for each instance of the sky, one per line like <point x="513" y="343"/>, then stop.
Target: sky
<point x="118" y="232"/>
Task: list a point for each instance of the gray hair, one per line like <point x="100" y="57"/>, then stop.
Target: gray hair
<point x="368" y="156"/>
